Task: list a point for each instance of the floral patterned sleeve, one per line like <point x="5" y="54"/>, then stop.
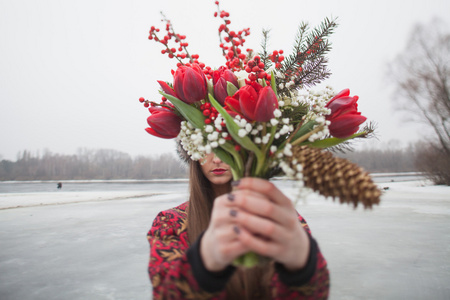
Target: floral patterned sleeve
<point x="169" y="269"/>
<point x="177" y="271"/>
<point x="312" y="282"/>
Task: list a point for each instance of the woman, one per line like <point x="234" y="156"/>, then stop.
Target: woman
<point x="193" y="245"/>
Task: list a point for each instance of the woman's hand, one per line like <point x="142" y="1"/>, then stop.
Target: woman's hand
<point x="256" y="217"/>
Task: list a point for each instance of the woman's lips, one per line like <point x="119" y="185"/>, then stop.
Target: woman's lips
<point x="218" y="171"/>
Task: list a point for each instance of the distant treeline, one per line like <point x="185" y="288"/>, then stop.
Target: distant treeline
<point x="384" y="161"/>
<point x="112" y="164"/>
<point x="90" y="164"/>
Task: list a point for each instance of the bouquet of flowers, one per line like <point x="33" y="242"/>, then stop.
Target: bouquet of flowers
<point x="258" y="114"/>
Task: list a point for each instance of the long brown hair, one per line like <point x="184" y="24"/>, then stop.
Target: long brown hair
<point x="245" y="283"/>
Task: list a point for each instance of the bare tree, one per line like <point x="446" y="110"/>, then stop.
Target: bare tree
<point x="422" y="75"/>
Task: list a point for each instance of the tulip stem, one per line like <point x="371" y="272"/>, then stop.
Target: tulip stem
<point x="306" y="136"/>
<point x="295" y="132"/>
<point x="248" y="165"/>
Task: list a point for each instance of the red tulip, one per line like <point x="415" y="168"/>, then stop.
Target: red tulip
<point x="256" y="103"/>
<point x="163" y="123"/>
<point x="167" y="89"/>
<point x="190" y="83"/>
<point x="344" y="117"/>
<point x="221" y="77"/>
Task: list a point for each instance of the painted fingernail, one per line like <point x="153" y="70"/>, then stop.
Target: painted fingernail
<point x="235" y="182"/>
<point x="230" y="197"/>
<point x="236" y="229"/>
<point x="233" y="213"/>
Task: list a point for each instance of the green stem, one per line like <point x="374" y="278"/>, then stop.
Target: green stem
<point x="306" y="136"/>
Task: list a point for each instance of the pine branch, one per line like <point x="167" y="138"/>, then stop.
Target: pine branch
<point x="306" y="66"/>
<point x="264" y="54"/>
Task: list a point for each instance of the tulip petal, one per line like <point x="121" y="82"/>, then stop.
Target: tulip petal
<point x="194" y="86"/>
<point x="220" y="91"/>
<point x="346" y="125"/>
<point x="343" y="93"/>
<point x="166" y="88"/>
<point x="153" y="132"/>
<point x="165" y="123"/>
<point x="247" y="101"/>
<point x="266" y="104"/>
<point x="341" y="106"/>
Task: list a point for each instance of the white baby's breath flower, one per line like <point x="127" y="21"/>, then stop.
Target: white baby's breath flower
<point x="242" y="132"/>
<point x="196" y="156"/>
<point x="287" y="151"/>
<point x="241" y="77"/>
<point x="208" y="149"/>
<point x="277" y="113"/>
<point x="273" y="148"/>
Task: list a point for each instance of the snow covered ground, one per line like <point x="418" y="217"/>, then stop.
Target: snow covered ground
<point x="92" y="245"/>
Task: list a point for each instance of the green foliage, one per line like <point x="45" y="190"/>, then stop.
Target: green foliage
<point x="307" y="65"/>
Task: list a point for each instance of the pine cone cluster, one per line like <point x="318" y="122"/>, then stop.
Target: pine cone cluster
<point x="333" y="176"/>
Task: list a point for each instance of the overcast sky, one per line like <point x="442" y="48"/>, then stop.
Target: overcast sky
<point x="71" y="72"/>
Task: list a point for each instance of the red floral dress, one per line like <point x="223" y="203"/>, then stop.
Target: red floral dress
<point x="176" y="270"/>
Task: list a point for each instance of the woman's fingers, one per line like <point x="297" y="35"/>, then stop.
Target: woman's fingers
<point x="259" y="245"/>
<point x="259" y="204"/>
<point x="259" y="226"/>
<point x="264" y="187"/>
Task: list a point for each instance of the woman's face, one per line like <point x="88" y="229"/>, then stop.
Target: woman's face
<point x="216" y="171"/>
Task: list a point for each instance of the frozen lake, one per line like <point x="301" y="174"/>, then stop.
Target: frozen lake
<point x="91" y="243"/>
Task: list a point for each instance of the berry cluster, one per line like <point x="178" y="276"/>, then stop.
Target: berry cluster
<point x="209" y="112"/>
<point x="163" y="103"/>
<point x="277" y="58"/>
<point x="232" y="42"/>
<point x="146" y="102"/>
<point x="256" y="69"/>
<point x="179" y="39"/>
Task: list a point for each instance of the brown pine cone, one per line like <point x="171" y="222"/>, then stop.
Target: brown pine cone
<point x="335" y="177"/>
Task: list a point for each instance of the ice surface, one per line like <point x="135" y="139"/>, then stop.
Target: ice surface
<point x="92" y="245"/>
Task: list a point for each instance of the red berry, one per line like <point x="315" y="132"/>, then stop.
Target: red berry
<point x="207" y="121"/>
<point x="206" y="112"/>
<point x="141" y="99"/>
